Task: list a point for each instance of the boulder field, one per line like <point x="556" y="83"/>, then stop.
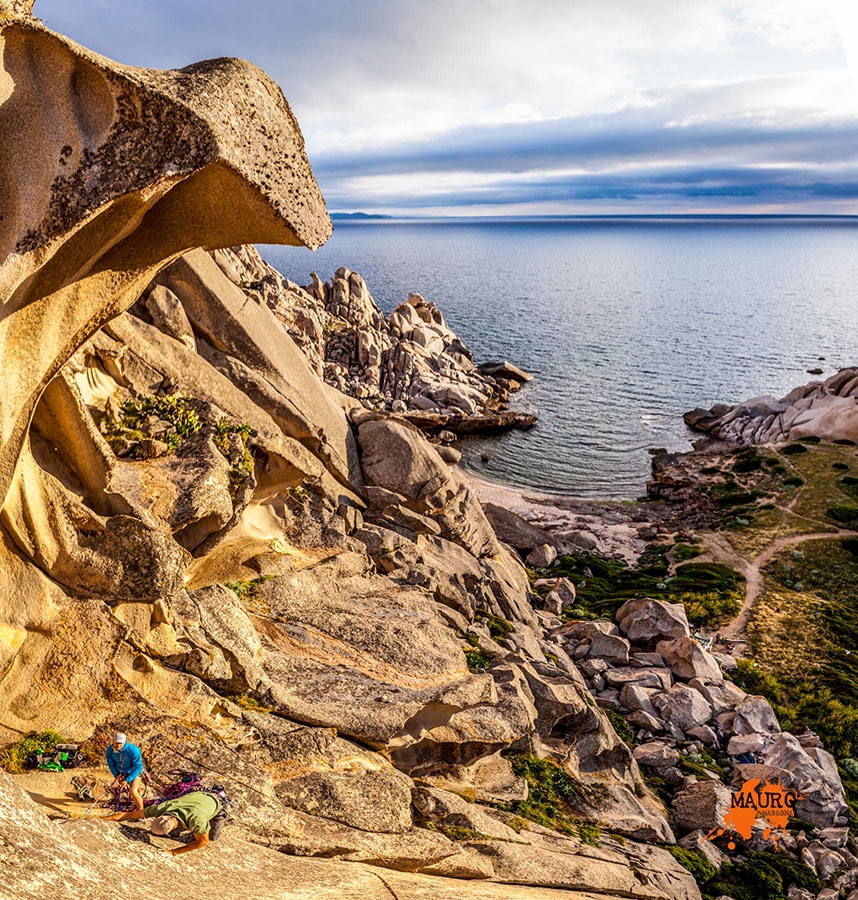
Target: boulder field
<point x="251" y="573"/>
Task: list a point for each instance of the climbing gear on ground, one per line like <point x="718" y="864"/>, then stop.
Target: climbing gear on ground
<point x="85" y="787"/>
<point x="63" y="756"/>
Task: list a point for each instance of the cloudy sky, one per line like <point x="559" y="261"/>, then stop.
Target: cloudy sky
<point x="499" y="107"/>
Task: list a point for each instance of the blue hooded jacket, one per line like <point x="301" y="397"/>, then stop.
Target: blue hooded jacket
<point x="128" y="761"/>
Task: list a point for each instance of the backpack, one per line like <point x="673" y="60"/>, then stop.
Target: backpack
<point x="63" y="756"/>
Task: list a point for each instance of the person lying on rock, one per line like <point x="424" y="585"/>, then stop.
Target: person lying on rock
<point x="126" y="766"/>
<point x="197" y="811"/>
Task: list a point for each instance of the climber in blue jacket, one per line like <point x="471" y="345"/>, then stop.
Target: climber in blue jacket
<point x="125" y="762"/>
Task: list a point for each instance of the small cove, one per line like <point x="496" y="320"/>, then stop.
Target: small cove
<point x="625" y="322"/>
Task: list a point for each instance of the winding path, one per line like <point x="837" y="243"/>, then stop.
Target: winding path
<point x="753" y="570"/>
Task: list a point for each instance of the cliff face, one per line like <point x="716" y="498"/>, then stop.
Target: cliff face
<point x="190" y="515"/>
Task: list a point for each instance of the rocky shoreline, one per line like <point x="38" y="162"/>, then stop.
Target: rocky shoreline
<point x="409" y="363"/>
<point x="223" y="534"/>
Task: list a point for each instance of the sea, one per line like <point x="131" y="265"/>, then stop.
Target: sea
<point x="625" y="323"/>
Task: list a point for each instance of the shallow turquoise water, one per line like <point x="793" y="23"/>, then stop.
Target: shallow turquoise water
<point x="626" y="323"/>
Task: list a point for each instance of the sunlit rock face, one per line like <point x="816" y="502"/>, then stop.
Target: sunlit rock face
<point x="108" y="173"/>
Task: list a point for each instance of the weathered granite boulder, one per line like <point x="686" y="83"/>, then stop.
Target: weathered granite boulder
<point x="687" y="659"/>
<point x="656" y="755"/>
<point x="754" y="715"/>
<point x="702" y="806"/>
<point x="812" y="773"/>
<point x="660" y="679"/>
<point x="722" y="695"/>
<point x="398" y="457"/>
<point x="504" y="369"/>
<point x="251" y="334"/>
<point x="644" y="621"/>
<point x="682" y="706"/>
<point x="542" y="556"/>
<point x="168" y="315"/>
<point x="821" y="408"/>
<point x="515" y="530"/>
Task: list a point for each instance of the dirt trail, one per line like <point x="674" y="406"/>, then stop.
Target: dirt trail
<point x="753" y="571"/>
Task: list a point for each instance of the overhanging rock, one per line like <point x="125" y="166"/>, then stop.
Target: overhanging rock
<point x="107" y="174"/>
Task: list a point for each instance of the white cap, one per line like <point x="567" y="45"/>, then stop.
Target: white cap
<point x="119" y="738"/>
<point x="164" y="824"/>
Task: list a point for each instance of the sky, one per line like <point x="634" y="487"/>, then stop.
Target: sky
<point x="535" y="107"/>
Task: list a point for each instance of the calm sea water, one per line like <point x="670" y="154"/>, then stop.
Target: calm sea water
<point x="625" y="323"/>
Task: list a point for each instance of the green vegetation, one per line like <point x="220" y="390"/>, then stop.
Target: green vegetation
<point x="844" y="513"/>
<point x="696" y="863"/>
<point x="748" y="461"/>
<point x="174" y="409"/>
<point x="711" y="593"/>
<point x="246" y="589"/>
<point x="459" y="833"/>
<point x="175" y="418"/>
<point x="682" y="552"/>
<point x="701" y="763"/>
<point x="766" y="875"/>
<point x="621" y="726"/>
<point x="498" y="627"/>
<point x="793" y="449"/>
<point x="251" y="704"/>
<point x="552" y="794"/>
<point x="13" y="759"/>
<point x="477" y="659"/>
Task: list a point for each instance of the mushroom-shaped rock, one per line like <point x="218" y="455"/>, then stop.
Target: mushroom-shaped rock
<point x="687" y="659"/>
<point x="644" y="620"/>
<point x="108" y="173"/>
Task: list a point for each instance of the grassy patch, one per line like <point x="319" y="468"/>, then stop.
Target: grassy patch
<point x="477" y="659"/>
<point x="498" y="627"/>
<point x="621" y="726"/>
<point x="683" y="552"/>
<point x="458" y="833"/>
<point x="553" y="795"/>
<point x="766" y="875"/>
<point x="251" y="704"/>
<point x="246" y="589"/>
<point x="696" y="863"/>
<point x="711" y="593"/>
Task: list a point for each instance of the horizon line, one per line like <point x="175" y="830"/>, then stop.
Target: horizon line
<point x="369" y="217"/>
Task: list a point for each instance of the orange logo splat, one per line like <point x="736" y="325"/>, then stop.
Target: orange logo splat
<point x="771" y="802"/>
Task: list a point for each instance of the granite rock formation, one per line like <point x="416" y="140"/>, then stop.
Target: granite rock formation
<point x="410" y="362"/>
<point x="203" y="544"/>
<point x="826" y="409"/>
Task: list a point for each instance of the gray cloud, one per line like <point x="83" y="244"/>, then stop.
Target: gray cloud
<point x="654" y="102"/>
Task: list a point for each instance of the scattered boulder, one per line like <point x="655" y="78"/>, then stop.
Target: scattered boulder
<point x="688" y="660"/>
<point x="702" y="806"/>
<point x="682" y="706"/>
<point x="754" y="715"/>
<point x="541" y="557"/>
<point x="645" y="621"/>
